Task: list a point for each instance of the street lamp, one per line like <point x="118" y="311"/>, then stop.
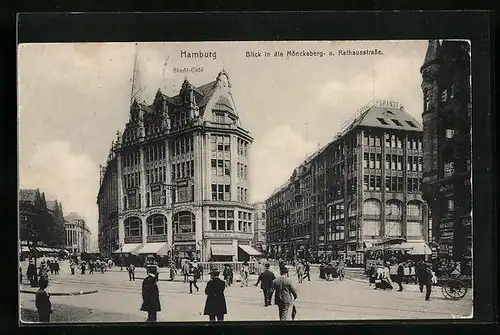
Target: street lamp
<point x="121" y="256"/>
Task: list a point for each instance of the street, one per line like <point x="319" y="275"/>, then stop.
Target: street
<point x="118" y="300"/>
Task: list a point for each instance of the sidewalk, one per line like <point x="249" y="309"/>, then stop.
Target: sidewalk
<point x="58" y="289"/>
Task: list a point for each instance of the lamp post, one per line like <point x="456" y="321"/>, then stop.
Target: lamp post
<point x="121" y="256"/>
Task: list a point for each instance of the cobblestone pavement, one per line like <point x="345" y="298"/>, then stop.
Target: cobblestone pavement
<point x="119" y="299"/>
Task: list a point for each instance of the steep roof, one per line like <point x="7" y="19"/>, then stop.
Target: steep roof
<point x="73" y="216"/>
<point x="52" y="204"/>
<point x="387" y="118"/>
<point x="28" y="195"/>
<point x="434" y="52"/>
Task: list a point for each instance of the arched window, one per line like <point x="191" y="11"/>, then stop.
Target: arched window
<point x="393" y="208"/>
<point x="414" y="209"/>
<point x="157" y="224"/>
<point x="184" y="222"/>
<point x="371" y="207"/>
<point x="133" y="227"/>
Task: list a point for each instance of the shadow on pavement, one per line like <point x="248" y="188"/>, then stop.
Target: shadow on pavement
<point x="65" y="313"/>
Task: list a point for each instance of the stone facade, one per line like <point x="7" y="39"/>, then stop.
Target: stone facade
<point x="446" y="86"/>
<point x="183" y="173"/>
<point x="363" y="187"/>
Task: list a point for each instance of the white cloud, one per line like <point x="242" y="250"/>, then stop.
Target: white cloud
<point x="273" y="158"/>
<point x="69" y="177"/>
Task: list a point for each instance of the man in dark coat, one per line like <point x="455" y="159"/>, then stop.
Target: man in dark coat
<point x="427" y="280"/>
<point x="284" y="294"/>
<point x="307" y="271"/>
<point x="399" y="276"/>
<point x="31" y="272"/>
<point x="215" y="305"/>
<point x="419" y="273"/>
<point x="42" y="302"/>
<point x="266" y="281"/>
<point x="150" y="295"/>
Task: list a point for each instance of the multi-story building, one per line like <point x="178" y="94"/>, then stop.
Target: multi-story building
<point x="107" y="203"/>
<point x="446" y="86"/>
<point x="259" y="225"/>
<point x="183" y="176"/>
<point x="77" y="234"/>
<point x="32" y="205"/>
<point x="57" y="233"/>
<point x="362" y="188"/>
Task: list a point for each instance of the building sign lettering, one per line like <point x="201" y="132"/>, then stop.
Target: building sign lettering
<point x="446" y="225"/>
<point x="182" y="209"/>
<point x="235" y="235"/>
<point x="184" y="237"/>
<point x="387" y="103"/>
<point x="215" y="242"/>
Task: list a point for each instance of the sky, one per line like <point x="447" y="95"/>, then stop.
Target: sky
<point x="73" y="98"/>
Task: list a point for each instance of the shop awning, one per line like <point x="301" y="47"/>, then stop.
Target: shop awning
<point x="222" y="250"/>
<point x="153" y="248"/>
<point x="417" y="248"/>
<point x="129" y="248"/>
<point x="25" y="249"/>
<point x="367" y="245"/>
<point x="249" y="250"/>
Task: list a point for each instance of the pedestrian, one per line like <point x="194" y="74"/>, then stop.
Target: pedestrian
<point x="266" y="281"/>
<point x="83" y="266"/>
<point x="31" y="272"/>
<point x="42" y="302"/>
<point x="399" y="276"/>
<point x="244" y="274"/>
<point x="284" y="294"/>
<point x="307" y="270"/>
<point x="72" y="267"/>
<point x="228" y="274"/>
<point x="299" y="268"/>
<point x="427" y="277"/>
<point x="150" y="295"/>
<point x="103" y="266"/>
<point x="192" y="276"/>
<point x="43" y="273"/>
<point x="419" y="273"/>
<point x="372" y="274"/>
<point x="56" y="267"/>
<point x="131" y="272"/>
<point x="173" y="270"/>
<point x="215" y="305"/>
<point x="50" y="267"/>
<point x="185" y="270"/>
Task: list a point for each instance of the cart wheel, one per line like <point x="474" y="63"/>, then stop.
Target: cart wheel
<point x="454" y="290"/>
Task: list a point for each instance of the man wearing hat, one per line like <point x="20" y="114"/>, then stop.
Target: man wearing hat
<point x="284" y="293"/>
<point x="150" y="295"/>
<point x="31" y="272"/>
<point x="215" y="305"/>
<point x="43" y="273"/>
<point x="266" y="281"/>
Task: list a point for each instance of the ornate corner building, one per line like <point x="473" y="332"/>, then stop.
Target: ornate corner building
<point x="182" y="178"/>
<point x="361" y="188"/>
<point x="446" y="86"/>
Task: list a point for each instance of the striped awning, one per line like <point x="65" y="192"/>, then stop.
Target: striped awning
<point x="25" y="249"/>
<point x="129" y="248"/>
<point x="249" y="250"/>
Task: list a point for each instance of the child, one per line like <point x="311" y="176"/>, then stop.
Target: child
<point x="42" y="302"/>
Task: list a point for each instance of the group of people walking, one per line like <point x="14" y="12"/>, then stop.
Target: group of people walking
<point x="215" y="304"/>
<point x="381" y="277"/>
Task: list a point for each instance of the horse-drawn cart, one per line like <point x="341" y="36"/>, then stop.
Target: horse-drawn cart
<point x="331" y="271"/>
<point x="454" y="287"/>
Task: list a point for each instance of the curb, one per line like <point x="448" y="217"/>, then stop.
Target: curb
<point x="63" y="293"/>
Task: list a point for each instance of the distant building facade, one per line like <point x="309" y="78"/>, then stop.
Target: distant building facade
<point x="446" y="86"/>
<point x="360" y="189"/>
<point x="182" y="167"/>
<point x="259" y="226"/>
<point x="107" y="204"/>
<point x="77" y="234"/>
